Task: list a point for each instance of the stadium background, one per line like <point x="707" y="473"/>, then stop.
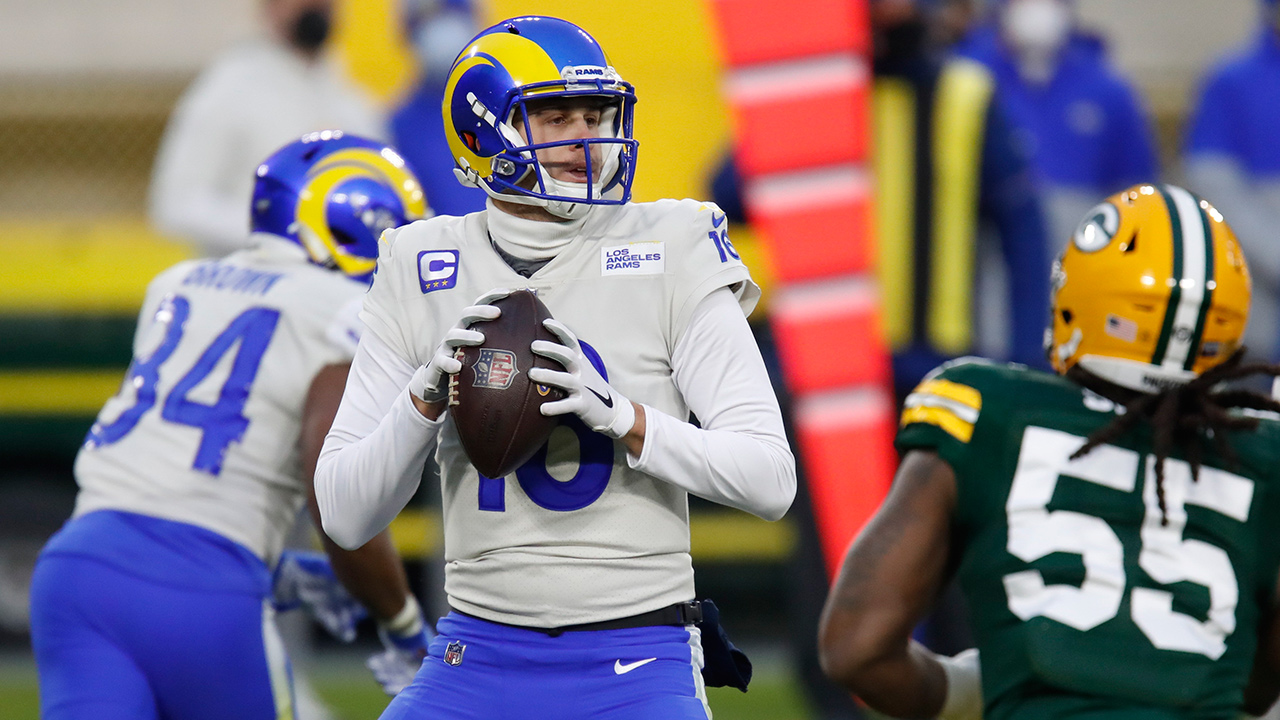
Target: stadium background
<point x="85" y="90"/>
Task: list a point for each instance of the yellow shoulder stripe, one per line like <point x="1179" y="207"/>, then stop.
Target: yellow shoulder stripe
<point x="962" y="394"/>
<point x="942" y="417"/>
<point x="949" y="405"/>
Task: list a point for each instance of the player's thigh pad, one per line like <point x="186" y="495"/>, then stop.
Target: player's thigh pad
<point x="110" y="641"/>
<point x="83" y="673"/>
<point x="481" y="670"/>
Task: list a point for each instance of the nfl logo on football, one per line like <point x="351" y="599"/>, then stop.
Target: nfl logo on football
<point x="453" y="653"/>
<point x="495" y="369"/>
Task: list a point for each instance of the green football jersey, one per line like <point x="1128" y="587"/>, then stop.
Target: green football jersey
<point x="1085" y="598"/>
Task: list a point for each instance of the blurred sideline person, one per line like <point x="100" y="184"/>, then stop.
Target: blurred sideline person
<point x="1112" y="526"/>
<point x="570" y="580"/>
<point x="251" y="100"/>
<point x="968" y="179"/>
<point x="1083" y="125"/>
<point x="438" y="30"/>
<point x="1232" y="153"/>
<point x="156" y="598"/>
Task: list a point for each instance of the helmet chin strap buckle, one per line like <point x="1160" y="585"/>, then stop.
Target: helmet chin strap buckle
<point x="468" y="176"/>
<point x="567" y="210"/>
<point x="1068" y="348"/>
<point x="315" y="247"/>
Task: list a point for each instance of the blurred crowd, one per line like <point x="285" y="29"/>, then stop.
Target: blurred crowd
<point x="1063" y="127"/>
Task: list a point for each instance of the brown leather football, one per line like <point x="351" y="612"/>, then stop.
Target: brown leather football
<point x="495" y="407"/>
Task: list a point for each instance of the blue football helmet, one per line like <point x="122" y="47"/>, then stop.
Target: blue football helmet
<point x="534" y="59"/>
<point x="334" y="194"/>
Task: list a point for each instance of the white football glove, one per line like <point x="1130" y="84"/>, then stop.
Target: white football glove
<point x="404" y="640"/>
<point x="589" y="395"/>
<point x="306" y="579"/>
<point x="964" y="686"/>
<point x="430" y="382"/>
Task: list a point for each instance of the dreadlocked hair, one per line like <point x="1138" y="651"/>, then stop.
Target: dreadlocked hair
<point x="1184" y="416"/>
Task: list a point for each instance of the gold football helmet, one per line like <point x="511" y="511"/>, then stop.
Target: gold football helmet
<point x="1151" y="291"/>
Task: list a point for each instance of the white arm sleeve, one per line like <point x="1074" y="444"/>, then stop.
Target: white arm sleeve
<point x="372" y="459"/>
<point x="740" y="457"/>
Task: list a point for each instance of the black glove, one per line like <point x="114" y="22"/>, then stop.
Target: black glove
<point x="723" y="664"/>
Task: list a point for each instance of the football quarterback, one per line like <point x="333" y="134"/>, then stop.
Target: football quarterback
<point x="570" y="580"/>
<point x="158" y="597"/>
<point x="1111" y="526"/>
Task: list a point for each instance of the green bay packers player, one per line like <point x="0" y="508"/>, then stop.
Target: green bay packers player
<point x="570" y="580"/>
<point x="1113" y="526"/>
<point x="156" y="599"/>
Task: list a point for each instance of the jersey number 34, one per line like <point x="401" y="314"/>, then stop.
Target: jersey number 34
<point x="220" y="423"/>
<point x="1165" y="556"/>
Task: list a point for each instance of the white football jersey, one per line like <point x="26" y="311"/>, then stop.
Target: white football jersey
<point x="575" y="535"/>
<point x="205" y="427"/>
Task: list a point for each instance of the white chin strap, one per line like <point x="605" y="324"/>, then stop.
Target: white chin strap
<point x="1134" y="375"/>
<point x="562" y="208"/>
<point x="572" y="210"/>
<point x="559" y="208"/>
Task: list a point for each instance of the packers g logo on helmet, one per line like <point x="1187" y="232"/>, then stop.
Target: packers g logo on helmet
<point x="1097" y="229"/>
<point x="1151" y="291"/>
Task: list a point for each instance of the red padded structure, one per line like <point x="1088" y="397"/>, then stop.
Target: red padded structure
<point x="848" y="436"/>
<point x="798" y="81"/>
<point x="828" y="337"/>
<point x="760" y="31"/>
<point x="819" y="221"/>
<point x="800" y="114"/>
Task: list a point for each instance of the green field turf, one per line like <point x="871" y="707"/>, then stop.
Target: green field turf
<point x="351" y="693"/>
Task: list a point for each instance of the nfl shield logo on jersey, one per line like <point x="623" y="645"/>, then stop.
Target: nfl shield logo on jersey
<point x="453" y="653"/>
<point x="495" y="369"/>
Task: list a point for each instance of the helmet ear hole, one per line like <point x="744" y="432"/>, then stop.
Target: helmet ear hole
<point x="1130" y="245"/>
<point x="1067" y="317"/>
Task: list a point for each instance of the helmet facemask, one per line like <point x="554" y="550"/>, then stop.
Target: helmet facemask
<point x="521" y="176"/>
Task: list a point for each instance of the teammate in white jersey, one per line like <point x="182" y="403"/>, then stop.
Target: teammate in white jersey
<point x="155" y="599"/>
<point x="570" y="580"/>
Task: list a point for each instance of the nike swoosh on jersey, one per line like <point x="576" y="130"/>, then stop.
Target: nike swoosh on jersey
<point x="620" y="669"/>
<point x="715" y="221"/>
<point x="606" y="399"/>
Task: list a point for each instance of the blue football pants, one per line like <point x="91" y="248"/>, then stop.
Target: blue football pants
<point x="112" y="646"/>
<point x="516" y="674"/>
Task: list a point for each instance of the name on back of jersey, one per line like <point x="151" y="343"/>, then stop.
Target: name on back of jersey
<point x="232" y="278"/>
